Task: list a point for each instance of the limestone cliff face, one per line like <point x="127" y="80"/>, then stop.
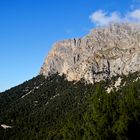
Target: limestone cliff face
<point x="104" y="52"/>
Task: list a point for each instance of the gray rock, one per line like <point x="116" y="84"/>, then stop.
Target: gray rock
<point x="104" y="52"/>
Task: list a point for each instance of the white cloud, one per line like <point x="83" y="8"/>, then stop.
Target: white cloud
<point x="133" y="16"/>
<point x="100" y="17"/>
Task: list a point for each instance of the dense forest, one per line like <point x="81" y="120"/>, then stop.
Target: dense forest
<point x="56" y="109"/>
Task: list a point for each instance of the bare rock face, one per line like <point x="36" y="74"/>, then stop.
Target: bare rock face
<point x="104" y="52"/>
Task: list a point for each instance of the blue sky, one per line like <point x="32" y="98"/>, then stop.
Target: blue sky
<point x="28" y="28"/>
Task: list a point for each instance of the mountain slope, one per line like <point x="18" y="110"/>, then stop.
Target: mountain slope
<point x="10" y="96"/>
<point x="66" y="110"/>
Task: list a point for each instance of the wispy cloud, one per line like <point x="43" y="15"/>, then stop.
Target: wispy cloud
<point x="101" y="17"/>
<point x="135" y="4"/>
<point x="133" y="16"/>
<point x="68" y="31"/>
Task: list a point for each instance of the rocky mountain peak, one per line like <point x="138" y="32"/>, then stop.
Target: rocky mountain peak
<point x="103" y="53"/>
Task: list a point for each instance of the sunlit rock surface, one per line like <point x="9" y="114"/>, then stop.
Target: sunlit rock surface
<point x="104" y="52"/>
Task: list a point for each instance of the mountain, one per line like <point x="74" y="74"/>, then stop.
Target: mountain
<point x="104" y="52"/>
<point x="57" y="106"/>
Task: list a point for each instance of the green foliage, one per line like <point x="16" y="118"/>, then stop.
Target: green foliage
<point x="62" y="110"/>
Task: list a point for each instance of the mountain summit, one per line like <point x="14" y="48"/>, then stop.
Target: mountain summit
<point x="49" y="107"/>
<point x="103" y="53"/>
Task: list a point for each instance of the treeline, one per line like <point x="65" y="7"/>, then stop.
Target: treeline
<point x="62" y="110"/>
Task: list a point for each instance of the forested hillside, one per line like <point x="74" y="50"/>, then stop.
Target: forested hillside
<point x="55" y="109"/>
